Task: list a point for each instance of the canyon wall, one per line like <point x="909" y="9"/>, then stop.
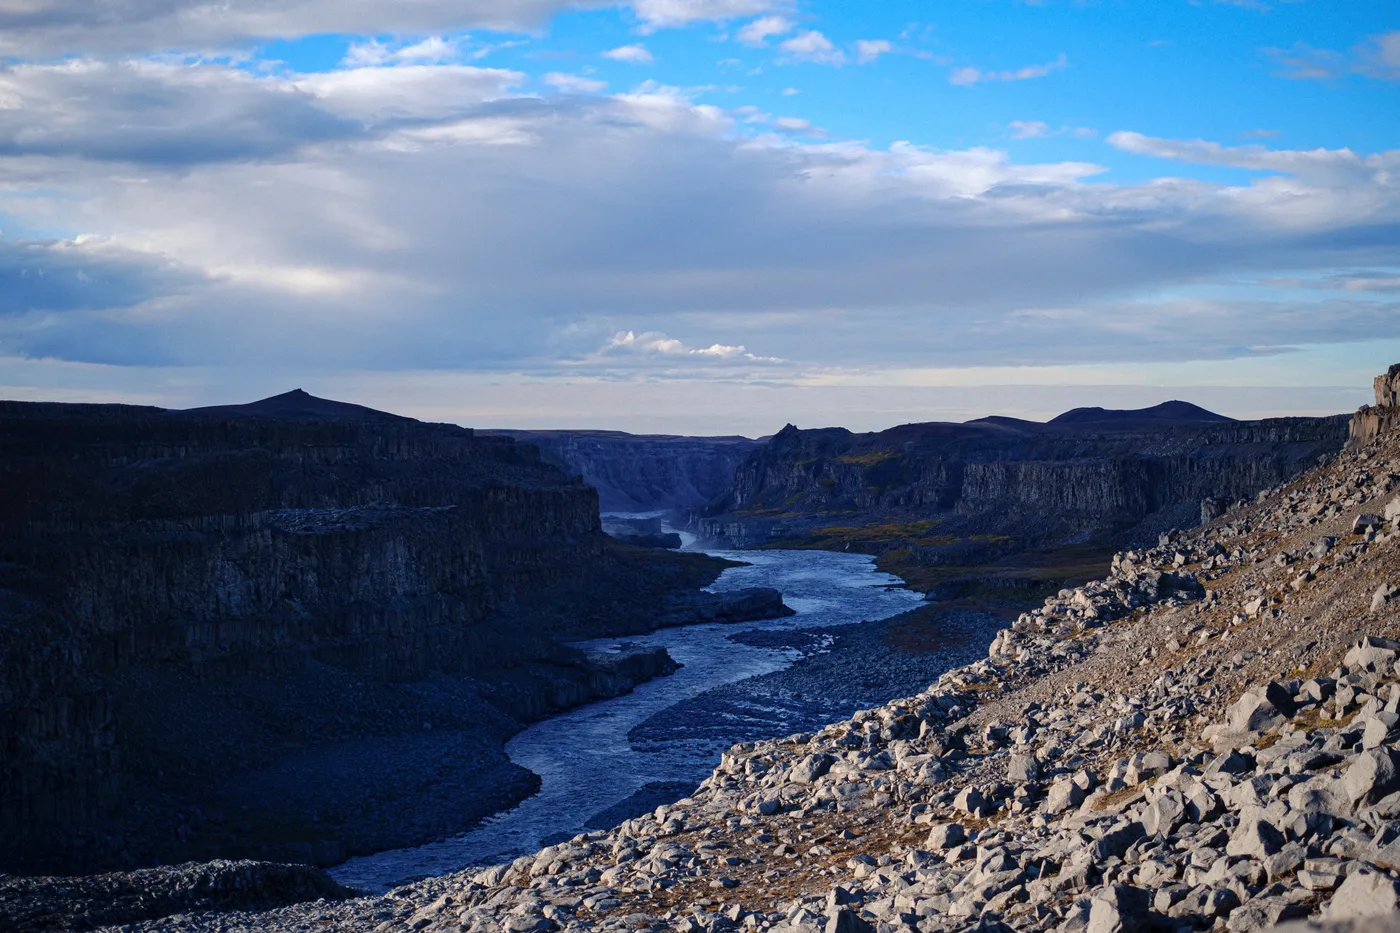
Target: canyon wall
<point x="644" y="472"/>
<point x="187" y="596"/>
<point x="1078" y="475"/>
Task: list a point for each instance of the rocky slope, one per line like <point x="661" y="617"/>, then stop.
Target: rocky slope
<point x="295" y="629"/>
<point x="1206" y="738"/>
<point x="644" y="472"/>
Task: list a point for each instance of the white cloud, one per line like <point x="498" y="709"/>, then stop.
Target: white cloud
<point x="867" y="50"/>
<point x="798" y="125"/>
<point x="632" y="54"/>
<point x="967" y="76"/>
<point x="574" y="84"/>
<point x="657" y="14"/>
<point x="284" y="221"/>
<point x="658" y="343"/>
<point x="758" y="32"/>
<point x="41" y="28"/>
<point x="812" y="46"/>
<point x="790" y="91"/>
<point x="1028" y="129"/>
<point x="1377" y="57"/>
<point x="434" y="49"/>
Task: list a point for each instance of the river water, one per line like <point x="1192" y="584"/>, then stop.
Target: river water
<point x="584" y="757"/>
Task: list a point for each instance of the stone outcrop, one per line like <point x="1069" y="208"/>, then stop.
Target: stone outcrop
<point x="644" y="472"/>
<point x="1371" y="422"/>
<point x="189" y="596"/>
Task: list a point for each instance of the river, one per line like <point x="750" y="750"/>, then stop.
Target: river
<point x="585" y="758"/>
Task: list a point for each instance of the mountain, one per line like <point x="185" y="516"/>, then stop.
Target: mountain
<point x="1173" y="412"/>
<point x="296" y="405"/>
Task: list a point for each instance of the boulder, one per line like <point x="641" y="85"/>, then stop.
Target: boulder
<point x="810" y="768"/>
<point x="1255" y="837"/>
<point x="1364" y="894"/>
<point x="1372" y="775"/>
<point x="1165" y="814"/>
<point x="1372" y="654"/>
<point x="972" y="801"/>
<point x="845" y="920"/>
<point x="1022" y="768"/>
<point x="1120" y="908"/>
<point x="1365" y="521"/>
<point x="1064" y="795"/>
<point x="946" y="836"/>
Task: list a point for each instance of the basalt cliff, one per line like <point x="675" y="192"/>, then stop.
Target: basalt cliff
<point x="296" y="629"/>
<point x="644" y="472"/>
<point x="945" y="504"/>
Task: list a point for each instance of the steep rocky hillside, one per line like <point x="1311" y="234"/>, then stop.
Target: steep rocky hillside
<point x="1206" y="738"/>
<point x="275" y="629"/>
<point x="644" y="472"/>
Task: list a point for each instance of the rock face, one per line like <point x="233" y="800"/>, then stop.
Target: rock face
<point x="1089" y="472"/>
<point x="644" y="472"/>
<point x="188" y="596"/>
<point x="1371" y="422"/>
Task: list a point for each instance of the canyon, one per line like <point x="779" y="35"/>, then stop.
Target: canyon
<point x="300" y="630"/>
<point x="644" y="472"/>
<point x="1208" y="737"/>
<point x="296" y="629"/>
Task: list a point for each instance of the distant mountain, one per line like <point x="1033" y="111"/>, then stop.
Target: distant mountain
<point x="1173" y="412"/>
<point x="297" y="405"/>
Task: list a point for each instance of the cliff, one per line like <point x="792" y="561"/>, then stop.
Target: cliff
<point x="942" y="492"/>
<point x="644" y="472"/>
<point x="1371" y="422"/>
<point x="197" y="604"/>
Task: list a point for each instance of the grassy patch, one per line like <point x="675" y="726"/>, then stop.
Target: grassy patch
<point x="870" y="458"/>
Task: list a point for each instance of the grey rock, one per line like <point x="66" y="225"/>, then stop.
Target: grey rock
<point x="972" y="801"/>
<point x="845" y="920"/>
<point x="1165" y="814"/>
<point x="1364" y="894"/>
<point x="1022" y="768"/>
<point x="1120" y="908"/>
<point x="1372" y="775"/>
<point x="1231" y="762"/>
<point x="1372" y="654"/>
<point x="1255" y="837"/>
<point x="810" y="768"/>
<point x="1064" y="795"/>
<point x="945" y="836"/>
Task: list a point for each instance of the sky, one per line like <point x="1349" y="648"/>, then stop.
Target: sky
<point x="701" y="216"/>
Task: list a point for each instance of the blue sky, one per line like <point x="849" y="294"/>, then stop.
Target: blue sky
<point x="701" y="215"/>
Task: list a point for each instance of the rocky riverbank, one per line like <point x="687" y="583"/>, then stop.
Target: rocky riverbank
<point x="1206" y="738"/>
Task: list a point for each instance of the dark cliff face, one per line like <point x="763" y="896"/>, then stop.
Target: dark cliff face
<point x="171" y="582"/>
<point x="1089" y="472"/>
<point x="642" y="473"/>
